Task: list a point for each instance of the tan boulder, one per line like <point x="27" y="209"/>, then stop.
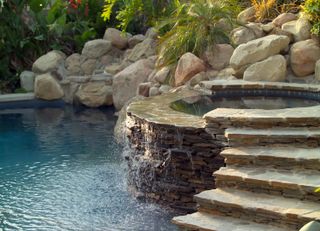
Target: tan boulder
<point x="218" y="56"/>
<point x="188" y="66"/>
<point x="299" y="28"/>
<point x="51" y="61"/>
<point x="126" y="82"/>
<point x="95" y="94"/>
<point x="143" y="50"/>
<point x="317" y="70"/>
<point x="73" y="64"/>
<point x="96" y="48"/>
<point x="116" y="37"/>
<point x="258" y="49"/>
<point x="247" y="15"/>
<point x="46" y="87"/>
<point x="136" y="39"/>
<point x="272" y="69"/>
<point x="303" y="57"/>
<point x="284" y="18"/>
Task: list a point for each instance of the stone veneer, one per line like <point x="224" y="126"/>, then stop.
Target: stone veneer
<point x="175" y="153"/>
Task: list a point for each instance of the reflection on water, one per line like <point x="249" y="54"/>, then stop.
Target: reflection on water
<point x="200" y="105"/>
<point x="62" y="170"/>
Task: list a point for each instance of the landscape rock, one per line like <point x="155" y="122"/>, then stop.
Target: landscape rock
<point x="247" y="15"/>
<point x="96" y="48"/>
<point x="284" y="18"/>
<point x="202" y="76"/>
<point x="152" y="33"/>
<point x="272" y="69"/>
<point x="51" y="61"/>
<point x="188" y="66"/>
<point x="257" y="50"/>
<point x="126" y="82"/>
<point x="279" y="31"/>
<point x="47" y="88"/>
<point x="135" y="40"/>
<point x="143" y="50"/>
<point x="116" y="37"/>
<point x="303" y="57"/>
<point x="73" y="64"/>
<point x="27" y="80"/>
<point x="317" y="70"/>
<point x="89" y="66"/>
<point x="164" y="88"/>
<point x="299" y="28"/>
<point x="242" y="35"/>
<point x="144" y="89"/>
<point x="218" y="56"/>
<point x="94" y="94"/>
<point x="267" y="28"/>
<point x="154" y="91"/>
<point x="162" y="75"/>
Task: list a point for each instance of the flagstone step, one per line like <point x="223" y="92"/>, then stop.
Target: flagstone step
<point x="208" y="222"/>
<point x="288" y="183"/>
<point x="257" y="207"/>
<point x="306" y="137"/>
<point x="274" y="157"/>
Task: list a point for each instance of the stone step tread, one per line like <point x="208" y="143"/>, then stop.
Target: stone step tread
<point x="286" y="207"/>
<point x="297" y="177"/>
<point x="208" y="222"/>
<point x="272" y="132"/>
<point x="273" y="152"/>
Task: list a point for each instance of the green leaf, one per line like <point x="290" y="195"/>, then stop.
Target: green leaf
<point x="37" y="5"/>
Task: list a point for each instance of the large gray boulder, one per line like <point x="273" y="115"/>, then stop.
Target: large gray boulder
<point x="303" y="57"/>
<point x="96" y="48"/>
<point x="95" y="94"/>
<point x="46" y="87"/>
<point x="116" y="37"/>
<point x="258" y="49"/>
<point x="218" y="56"/>
<point x="143" y="50"/>
<point x="27" y="80"/>
<point x="126" y="82"/>
<point x="272" y="69"/>
<point x="52" y="61"/>
<point x="188" y="66"/>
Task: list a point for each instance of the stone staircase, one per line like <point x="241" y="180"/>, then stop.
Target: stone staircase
<point x="268" y="182"/>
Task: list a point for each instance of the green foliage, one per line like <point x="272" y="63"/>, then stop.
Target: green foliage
<point x="317" y="190"/>
<point x="30" y="28"/>
<point x="196" y="25"/>
<point x="312" y="9"/>
<point x="138" y="15"/>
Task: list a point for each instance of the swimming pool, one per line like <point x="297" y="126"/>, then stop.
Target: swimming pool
<point x="61" y="169"/>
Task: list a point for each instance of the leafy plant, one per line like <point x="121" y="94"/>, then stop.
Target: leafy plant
<point x="138" y="15"/>
<point x="195" y="25"/>
<point x="312" y="9"/>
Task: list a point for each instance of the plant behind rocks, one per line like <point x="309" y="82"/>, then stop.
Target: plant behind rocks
<point x="312" y="9"/>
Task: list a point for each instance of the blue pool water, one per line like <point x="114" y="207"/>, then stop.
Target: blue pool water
<point x="60" y="169"/>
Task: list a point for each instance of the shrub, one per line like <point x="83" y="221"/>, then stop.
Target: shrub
<point x="312" y="9"/>
<point x="195" y="25"/>
<point x="137" y="15"/>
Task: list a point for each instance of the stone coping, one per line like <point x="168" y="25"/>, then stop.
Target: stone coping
<point x="157" y="110"/>
<point x="16" y="97"/>
<point x="294" y="115"/>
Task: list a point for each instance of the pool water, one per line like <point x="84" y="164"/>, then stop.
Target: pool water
<point x="60" y="169"/>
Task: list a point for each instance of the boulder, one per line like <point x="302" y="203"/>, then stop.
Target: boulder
<point x="95" y="94"/>
<point x="164" y="88"/>
<point x="27" y="80"/>
<point x="96" y="48"/>
<point x="267" y="28"/>
<point x="258" y="49"/>
<point x="154" y="91"/>
<point x="89" y="66"/>
<point x="279" y="31"/>
<point x="73" y="64"/>
<point x="299" y="28"/>
<point x="116" y="37"/>
<point x="188" y="66"/>
<point x="247" y="15"/>
<point x="47" y="88"/>
<point x="162" y="75"/>
<point x="143" y="50"/>
<point x="135" y="40"/>
<point x="272" y="69"/>
<point x="317" y="70"/>
<point x="202" y="76"/>
<point x="218" y="56"/>
<point x="51" y="61"/>
<point x="126" y="82"/>
<point x="284" y="18"/>
<point x="144" y="89"/>
<point x="152" y="33"/>
<point x="303" y="57"/>
<point x="242" y="35"/>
